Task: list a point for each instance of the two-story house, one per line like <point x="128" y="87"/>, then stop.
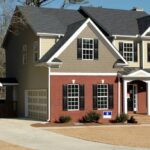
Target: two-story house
<point x="69" y="62"/>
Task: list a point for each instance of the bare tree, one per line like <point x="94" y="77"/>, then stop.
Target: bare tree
<point x="39" y="3"/>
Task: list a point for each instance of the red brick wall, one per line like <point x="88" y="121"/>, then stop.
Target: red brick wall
<point x="142" y="97"/>
<point x="56" y="95"/>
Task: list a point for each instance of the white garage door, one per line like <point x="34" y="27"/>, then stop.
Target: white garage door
<point x="36" y="104"/>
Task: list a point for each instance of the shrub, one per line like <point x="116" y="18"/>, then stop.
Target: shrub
<point x="122" y="118"/>
<point x="64" y="119"/>
<point x="132" y="120"/>
<point x="90" y="117"/>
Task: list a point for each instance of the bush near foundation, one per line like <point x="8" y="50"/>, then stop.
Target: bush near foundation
<point x="90" y="117"/>
<point x="132" y="120"/>
<point x="64" y="119"/>
<point x="122" y="118"/>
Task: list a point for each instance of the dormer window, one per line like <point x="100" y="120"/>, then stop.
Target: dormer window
<point x="129" y="51"/>
<point x="87" y="49"/>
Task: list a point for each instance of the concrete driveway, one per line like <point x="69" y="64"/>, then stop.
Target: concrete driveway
<point x="19" y="132"/>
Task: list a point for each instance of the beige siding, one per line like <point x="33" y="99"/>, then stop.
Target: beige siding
<point x="28" y="75"/>
<point x="105" y="63"/>
<point x="146" y="64"/>
<point x="46" y="43"/>
<point x="131" y="64"/>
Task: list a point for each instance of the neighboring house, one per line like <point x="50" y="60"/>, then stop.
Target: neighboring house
<point x="68" y="62"/>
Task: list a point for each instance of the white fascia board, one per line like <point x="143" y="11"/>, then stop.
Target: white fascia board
<point x="147" y="30"/>
<point x="82" y="74"/>
<point x="48" y="34"/>
<point x="77" y="33"/>
<point x="126" y="36"/>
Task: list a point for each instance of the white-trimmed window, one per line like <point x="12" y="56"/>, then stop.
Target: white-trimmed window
<point x="24" y="54"/>
<point x="87" y="48"/>
<point x="2" y="93"/>
<point x="128" y="51"/>
<point x="73" y="96"/>
<point x="102" y="96"/>
<point x="35" y="51"/>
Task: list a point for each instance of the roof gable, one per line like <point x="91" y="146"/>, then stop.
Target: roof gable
<point x="138" y="73"/>
<point x="75" y="34"/>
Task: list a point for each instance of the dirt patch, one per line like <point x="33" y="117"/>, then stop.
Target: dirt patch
<point x="69" y="124"/>
<point x="8" y="146"/>
<point x="134" y="136"/>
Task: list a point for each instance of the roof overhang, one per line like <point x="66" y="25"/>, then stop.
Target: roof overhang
<point x="8" y="82"/>
<point x="48" y="34"/>
<point x="125" y="36"/>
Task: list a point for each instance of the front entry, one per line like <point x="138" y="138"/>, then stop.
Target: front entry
<point x="132" y="97"/>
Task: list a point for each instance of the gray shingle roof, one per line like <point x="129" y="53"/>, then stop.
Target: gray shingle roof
<point x="50" y="20"/>
<point x="116" y="22"/>
<point x="143" y="23"/>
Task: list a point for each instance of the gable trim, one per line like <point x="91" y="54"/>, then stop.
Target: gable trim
<point x="146" y="31"/>
<point x="136" y="72"/>
<point x="78" y="31"/>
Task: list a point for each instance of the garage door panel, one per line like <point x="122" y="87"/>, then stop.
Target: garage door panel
<point x="37" y="104"/>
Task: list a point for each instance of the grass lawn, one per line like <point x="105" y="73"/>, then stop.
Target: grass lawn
<point x="8" y="146"/>
<point x="134" y="136"/>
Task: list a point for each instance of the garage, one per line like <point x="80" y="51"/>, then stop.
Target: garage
<point x="36" y="104"/>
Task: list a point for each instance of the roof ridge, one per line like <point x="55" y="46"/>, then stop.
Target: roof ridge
<point x="113" y="9"/>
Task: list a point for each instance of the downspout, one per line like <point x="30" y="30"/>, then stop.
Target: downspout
<point x="49" y="93"/>
<point x="118" y="94"/>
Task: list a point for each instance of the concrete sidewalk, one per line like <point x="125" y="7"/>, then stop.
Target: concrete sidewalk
<point x="20" y="132"/>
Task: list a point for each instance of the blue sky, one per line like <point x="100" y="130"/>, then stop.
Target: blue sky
<point x="118" y="4"/>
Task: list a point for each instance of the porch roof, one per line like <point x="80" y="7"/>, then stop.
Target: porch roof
<point x="135" y="73"/>
<point x="8" y="81"/>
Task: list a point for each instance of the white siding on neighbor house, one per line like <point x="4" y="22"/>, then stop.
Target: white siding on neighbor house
<point x="46" y="43"/>
<point x="146" y="64"/>
<point x="131" y="64"/>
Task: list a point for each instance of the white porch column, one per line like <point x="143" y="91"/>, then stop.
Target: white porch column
<point x="118" y="95"/>
<point x="148" y="98"/>
<point x="125" y="107"/>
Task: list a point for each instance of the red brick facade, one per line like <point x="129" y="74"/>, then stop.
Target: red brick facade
<point x="57" y="83"/>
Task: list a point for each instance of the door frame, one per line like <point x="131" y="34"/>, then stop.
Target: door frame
<point x="135" y="109"/>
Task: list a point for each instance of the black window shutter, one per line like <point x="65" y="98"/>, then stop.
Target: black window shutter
<point x="81" y="89"/>
<point x="64" y="97"/>
<point x="96" y="49"/>
<point x="135" y="52"/>
<point x="121" y="48"/>
<point x="148" y="52"/>
<point x="110" y="96"/>
<point x="94" y="96"/>
<point x="79" y="48"/>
